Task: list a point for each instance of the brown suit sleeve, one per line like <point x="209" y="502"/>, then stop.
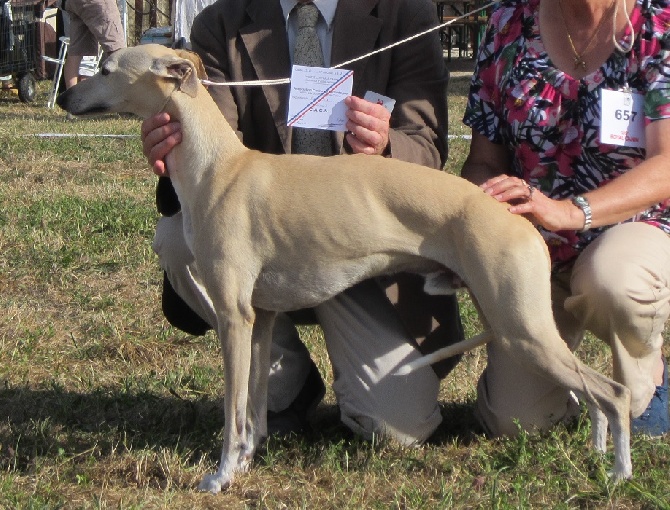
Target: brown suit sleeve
<point x="418" y="81"/>
<point x="412" y="73"/>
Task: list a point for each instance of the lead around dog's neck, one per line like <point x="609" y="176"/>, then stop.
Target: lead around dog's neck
<point x="206" y="134"/>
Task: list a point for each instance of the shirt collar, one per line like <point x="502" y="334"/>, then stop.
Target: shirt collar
<point x="326" y="8"/>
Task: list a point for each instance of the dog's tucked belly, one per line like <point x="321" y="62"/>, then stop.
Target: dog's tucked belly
<point x="283" y="289"/>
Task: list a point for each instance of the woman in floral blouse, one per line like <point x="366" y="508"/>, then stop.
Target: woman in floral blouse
<point x="570" y="114"/>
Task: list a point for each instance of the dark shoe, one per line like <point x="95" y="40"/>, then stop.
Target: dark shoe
<point x="178" y="313"/>
<point x="655" y="420"/>
<point x="167" y="201"/>
<point x="295" y="418"/>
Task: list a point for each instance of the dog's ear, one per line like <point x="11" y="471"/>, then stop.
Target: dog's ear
<point x="195" y="58"/>
<point x="184" y="70"/>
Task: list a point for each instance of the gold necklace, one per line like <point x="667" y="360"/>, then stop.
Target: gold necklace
<point x="579" y="56"/>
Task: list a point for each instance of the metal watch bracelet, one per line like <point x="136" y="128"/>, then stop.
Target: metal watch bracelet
<point x="581" y="202"/>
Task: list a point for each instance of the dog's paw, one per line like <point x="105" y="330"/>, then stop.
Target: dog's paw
<point x="623" y="468"/>
<point x="617" y="477"/>
<point x="244" y="462"/>
<point x="215" y="483"/>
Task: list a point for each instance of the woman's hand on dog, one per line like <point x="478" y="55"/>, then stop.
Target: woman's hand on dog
<point x="550" y="213"/>
<point x="159" y="137"/>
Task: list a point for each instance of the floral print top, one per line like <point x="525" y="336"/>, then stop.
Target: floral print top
<point x="551" y="121"/>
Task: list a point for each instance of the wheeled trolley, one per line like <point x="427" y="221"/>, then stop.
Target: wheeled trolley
<point x="18" y="51"/>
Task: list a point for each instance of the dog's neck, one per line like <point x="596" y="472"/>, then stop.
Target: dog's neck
<point x="206" y="139"/>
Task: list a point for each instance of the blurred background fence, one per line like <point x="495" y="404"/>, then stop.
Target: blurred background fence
<point x="142" y="15"/>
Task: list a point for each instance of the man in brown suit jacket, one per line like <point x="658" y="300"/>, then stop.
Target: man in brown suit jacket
<point x="365" y="334"/>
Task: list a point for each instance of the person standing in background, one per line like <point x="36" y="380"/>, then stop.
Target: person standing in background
<point x="91" y="23"/>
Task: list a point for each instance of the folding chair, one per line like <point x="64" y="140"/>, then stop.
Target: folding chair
<point x="88" y="67"/>
<point x="62" y="55"/>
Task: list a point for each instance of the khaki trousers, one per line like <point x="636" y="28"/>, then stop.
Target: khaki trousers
<point x="619" y="290"/>
<point x="94" y="22"/>
<point x="365" y="340"/>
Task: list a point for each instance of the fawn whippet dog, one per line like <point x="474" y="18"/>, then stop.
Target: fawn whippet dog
<point x="266" y="239"/>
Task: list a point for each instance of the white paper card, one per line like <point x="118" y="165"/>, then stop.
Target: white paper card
<point x="385" y="101"/>
<point x="317" y="97"/>
<point x="622" y="121"/>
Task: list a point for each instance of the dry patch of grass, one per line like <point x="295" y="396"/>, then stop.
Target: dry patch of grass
<point x="103" y="405"/>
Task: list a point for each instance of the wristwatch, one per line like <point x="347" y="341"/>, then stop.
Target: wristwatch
<point x="581" y="202"/>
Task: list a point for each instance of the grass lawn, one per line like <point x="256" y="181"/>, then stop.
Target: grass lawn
<point x="103" y="405"/>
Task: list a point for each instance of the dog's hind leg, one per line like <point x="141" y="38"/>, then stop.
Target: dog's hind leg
<point x="235" y="331"/>
<point x="608" y="402"/>
<point x="603" y="397"/>
<point x="598" y="427"/>
<point x="513" y="290"/>
<point x="623" y="466"/>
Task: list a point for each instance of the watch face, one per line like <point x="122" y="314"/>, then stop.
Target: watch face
<point x="580" y="201"/>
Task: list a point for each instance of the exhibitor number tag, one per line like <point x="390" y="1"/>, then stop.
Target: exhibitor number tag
<point x="622" y="121"/>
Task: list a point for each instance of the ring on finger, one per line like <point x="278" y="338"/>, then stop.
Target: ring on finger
<point x="529" y="188"/>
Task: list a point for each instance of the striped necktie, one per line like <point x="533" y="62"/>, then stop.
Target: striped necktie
<point x="308" y="52"/>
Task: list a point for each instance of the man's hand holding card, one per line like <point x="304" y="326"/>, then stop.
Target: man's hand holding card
<point x="321" y="98"/>
<point x="368" y="123"/>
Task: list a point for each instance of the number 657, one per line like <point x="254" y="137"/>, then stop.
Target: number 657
<point x="625" y="115"/>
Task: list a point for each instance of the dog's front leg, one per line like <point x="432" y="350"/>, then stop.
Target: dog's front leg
<point x="257" y="429"/>
<point x="235" y="336"/>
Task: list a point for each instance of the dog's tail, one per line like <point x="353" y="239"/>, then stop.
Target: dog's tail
<point x="446" y="352"/>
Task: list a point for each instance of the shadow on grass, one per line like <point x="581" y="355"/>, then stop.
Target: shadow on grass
<point x="44" y="422"/>
<point x="458" y="423"/>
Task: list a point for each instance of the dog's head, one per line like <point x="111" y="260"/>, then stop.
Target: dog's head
<point x="135" y="80"/>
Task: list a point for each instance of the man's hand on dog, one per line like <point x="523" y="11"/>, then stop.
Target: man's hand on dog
<point x="159" y="136"/>
<point x="368" y="132"/>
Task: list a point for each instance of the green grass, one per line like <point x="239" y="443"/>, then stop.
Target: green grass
<point x="103" y="405"/>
